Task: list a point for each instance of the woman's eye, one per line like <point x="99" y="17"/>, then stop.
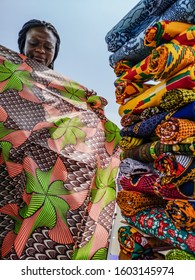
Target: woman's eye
<point x="49" y="47"/>
<point x="33" y="43"/>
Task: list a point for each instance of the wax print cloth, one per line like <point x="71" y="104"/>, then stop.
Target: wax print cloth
<point x="132" y="202"/>
<point x="155" y="90"/>
<point x="176" y="98"/>
<point x="145" y="128"/>
<point x="136" y="20"/>
<point x="185" y="78"/>
<point x="153" y="180"/>
<point x="182" y="213"/>
<point x="146" y="184"/>
<point x="58" y="162"/>
<point x="174" y="130"/>
<point x="129" y="142"/>
<point x="176" y="254"/>
<point x="138" y="246"/>
<point x="163" y="62"/>
<point x="147" y="152"/>
<point x="135" y="50"/>
<point x="130" y="118"/>
<point x="155" y="222"/>
<point x="163" y="31"/>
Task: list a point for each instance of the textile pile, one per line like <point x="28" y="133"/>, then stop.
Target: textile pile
<point x="154" y="61"/>
<point x="59" y="157"/>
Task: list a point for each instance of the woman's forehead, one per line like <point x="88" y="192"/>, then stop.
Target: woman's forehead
<point x="41" y="32"/>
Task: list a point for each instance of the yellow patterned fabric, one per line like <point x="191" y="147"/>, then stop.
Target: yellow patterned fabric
<point x="127" y="143"/>
<point x="152" y="97"/>
<point x="176" y="98"/>
<point x="186" y="37"/>
<point x="163" y="31"/>
<point x="174" y="130"/>
<point x="127" y="90"/>
<point x="122" y="66"/>
<point x="168" y="59"/>
<point x="163" y="62"/>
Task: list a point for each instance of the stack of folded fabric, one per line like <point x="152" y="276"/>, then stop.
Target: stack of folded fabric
<point x="126" y="38"/>
<point x="156" y="174"/>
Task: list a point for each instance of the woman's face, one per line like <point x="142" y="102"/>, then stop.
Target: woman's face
<point x="40" y="45"/>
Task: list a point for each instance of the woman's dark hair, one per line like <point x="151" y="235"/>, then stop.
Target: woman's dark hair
<point x="37" y="23"/>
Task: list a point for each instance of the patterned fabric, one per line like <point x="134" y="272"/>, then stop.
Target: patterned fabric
<point x="174" y="130"/>
<point x="145" y="128"/>
<point x="176" y="98"/>
<point x="129" y="118"/>
<point x="186" y="37"/>
<point x="163" y="62"/>
<point x="152" y="97"/>
<point x="149" y="151"/>
<point x="171" y="166"/>
<point x="146" y="184"/>
<point x="127" y="90"/>
<point x="137" y="246"/>
<point x="144" y="178"/>
<point x="132" y="242"/>
<point x="176" y="254"/>
<point x="182" y="213"/>
<point x="131" y="202"/>
<point x="175" y="172"/>
<point x="135" y="21"/>
<point x="155" y="222"/>
<point x="129" y="167"/>
<point x="127" y="143"/>
<point x="135" y="50"/>
<point x="59" y="157"/>
<point x="163" y="32"/>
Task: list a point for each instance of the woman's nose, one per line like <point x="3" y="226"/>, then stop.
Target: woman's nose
<point x="40" y="49"/>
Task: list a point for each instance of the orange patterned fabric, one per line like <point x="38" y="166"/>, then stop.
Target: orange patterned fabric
<point x="131" y="202"/>
<point x="182" y="213"/>
<point x="174" y="130"/>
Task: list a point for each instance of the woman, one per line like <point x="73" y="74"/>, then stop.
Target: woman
<point x="39" y="40"/>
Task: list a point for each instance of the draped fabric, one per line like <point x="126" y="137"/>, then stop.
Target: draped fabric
<point x="155" y="92"/>
<point x="59" y="157"/>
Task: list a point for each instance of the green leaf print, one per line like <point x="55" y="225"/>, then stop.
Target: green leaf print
<point x="112" y="132"/>
<point x="15" y="78"/>
<point x="69" y="129"/>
